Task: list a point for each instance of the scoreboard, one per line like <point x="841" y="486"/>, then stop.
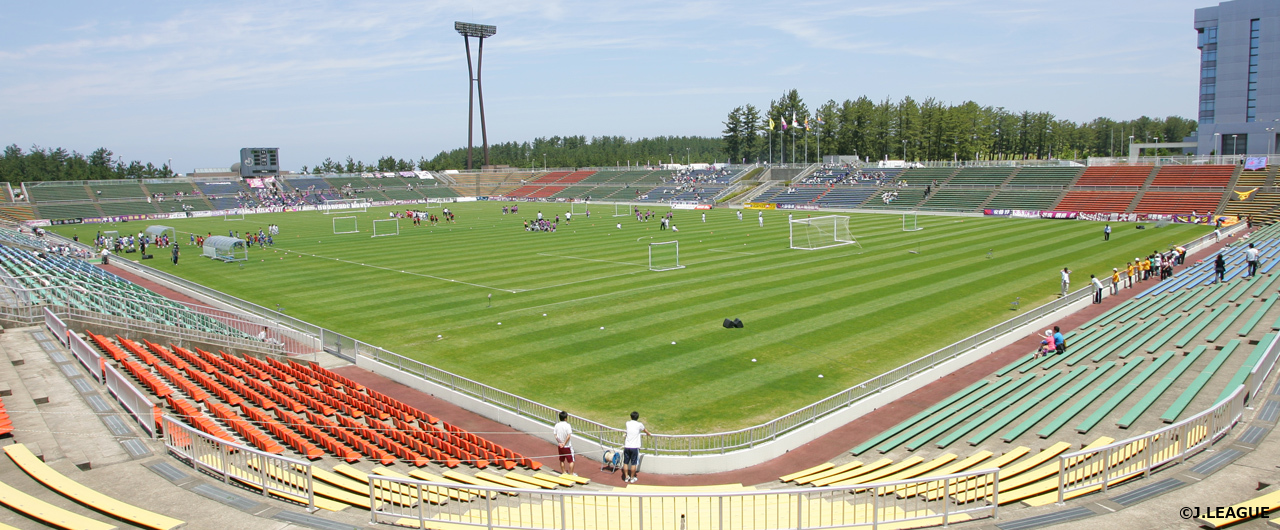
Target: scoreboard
<point x="259" y="161"/>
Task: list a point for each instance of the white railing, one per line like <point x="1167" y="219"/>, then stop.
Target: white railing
<point x="137" y="402"/>
<point x="921" y="502"/>
<point x="88" y="356"/>
<point x="55" y="325"/>
<point x="271" y="474"/>
<point x="1097" y="469"/>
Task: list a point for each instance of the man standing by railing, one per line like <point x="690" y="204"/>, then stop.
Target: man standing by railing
<point x="564" y="443"/>
<point x="1066" y="281"/>
<point x="631" y="448"/>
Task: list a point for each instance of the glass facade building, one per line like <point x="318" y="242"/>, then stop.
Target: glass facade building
<point x="1239" y="78"/>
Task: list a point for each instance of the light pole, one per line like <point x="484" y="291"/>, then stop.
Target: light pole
<point x="544" y="161"/>
<point x="480" y="32"/>
<point x="904" y="150"/>
<point x="1235" y="146"/>
<point x="1217" y="144"/>
<point x="687" y="161"/>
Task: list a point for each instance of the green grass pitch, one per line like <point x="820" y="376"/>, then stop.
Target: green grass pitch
<point x="586" y="326"/>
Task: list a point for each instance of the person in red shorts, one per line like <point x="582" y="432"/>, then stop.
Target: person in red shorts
<point x="564" y="443"/>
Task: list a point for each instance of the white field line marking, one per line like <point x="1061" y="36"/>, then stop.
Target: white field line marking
<point x="513" y="291"/>
<point x="589" y="259"/>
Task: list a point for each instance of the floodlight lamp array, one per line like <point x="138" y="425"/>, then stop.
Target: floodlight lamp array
<point x="467" y="29"/>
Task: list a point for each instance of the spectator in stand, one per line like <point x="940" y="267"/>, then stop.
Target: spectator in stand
<point x="1097" y="289"/>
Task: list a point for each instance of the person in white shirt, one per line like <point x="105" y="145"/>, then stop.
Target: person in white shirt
<point x="564" y="443"/>
<point x="1097" y="289"/>
<point x="631" y="448"/>
<point x="1066" y="281"/>
<point x="1251" y="259"/>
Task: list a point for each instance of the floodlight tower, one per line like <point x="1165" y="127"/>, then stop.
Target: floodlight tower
<point x="480" y="32"/>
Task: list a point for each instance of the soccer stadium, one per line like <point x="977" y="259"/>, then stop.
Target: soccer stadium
<point x="816" y="340"/>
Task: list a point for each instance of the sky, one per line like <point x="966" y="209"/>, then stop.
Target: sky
<point x="196" y="81"/>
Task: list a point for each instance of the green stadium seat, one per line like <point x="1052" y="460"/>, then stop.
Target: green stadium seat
<point x="1180" y="404"/>
<point x="1124" y="393"/>
<point x="1094" y="393"/>
<point x="1152" y="395"/>
<point x="1011" y="401"/>
<point x="887" y="433"/>
<point x="1222" y="328"/>
<point x="942" y="415"/>
<point x="1196" y="329"/>
<point x="1243" y="373"/>
<point x="1023" y="407"/>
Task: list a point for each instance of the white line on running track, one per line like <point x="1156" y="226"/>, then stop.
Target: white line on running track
<point x="589" y="259"/>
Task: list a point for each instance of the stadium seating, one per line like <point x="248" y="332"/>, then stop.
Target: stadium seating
<point x="1177" y="203"/>
<point x="981" y="176"/>
<point x="1194" y="176"/>
<point x="926" y="176"/>
<point x="42" y="192"/>
<point x="955" y="199"/>
<point x="49" y="514"/>
<point x="907" y="199"/>
<point x="1252" y="179"/>
<point x="51" y="478"/>
<point x="845" y="197"/>
<point x="274" y="404"/>
<point x="1097" y="201"/>
<point x="551" y="177"/>
<point x="95" y="289"/>
<point x="1115" y="176"/>
<point x="437" y="192"/>
<point x="1261" y="205"/>
<point x="129" y="207"/>
<point x="339" y="182"/>
<point x="67" y="211"/>
<point x="17" y="212"/>
<point x="1024" y="200"/>
<point x="1045" y="176"/>
<point x="1242" y="511"/>
<point x="116" y="190"/>
<point x="575" y="177"/>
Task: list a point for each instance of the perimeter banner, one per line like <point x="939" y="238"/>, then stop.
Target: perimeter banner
<point x="760" y="206"/>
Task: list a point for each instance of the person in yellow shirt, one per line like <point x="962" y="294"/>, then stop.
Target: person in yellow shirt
<point x="1146" y="269"/>
<point x="1115" y="281"/>
<point x="1129" y="270"/>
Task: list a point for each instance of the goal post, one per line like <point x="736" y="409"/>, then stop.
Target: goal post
<point x="814" y="233"/>
<point x="664" y="256"/>
<point x="386" y="227"/>
<point x="578" y="207"/>
<point x="345" y="225"/>
<point x="233" y="215"/>
<point x="909" y="222"/>
<point x="345" y="206"/>
<point x="621" y="209"/>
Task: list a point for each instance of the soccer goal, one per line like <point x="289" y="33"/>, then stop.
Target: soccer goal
<point x="813" y="233"/>
<point x="621" y="210"/>
<point x="385" y="227"/>
<point x="345" y="225"/>
<point x="909" y="223"/>
<point x="346" y="206"/>
<point x="664" y="256"/>
<point x="578" y="207"/>
<point x="233" y="215"/>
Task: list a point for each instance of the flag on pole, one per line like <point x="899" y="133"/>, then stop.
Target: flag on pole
<point x="806" y="124"/>
<point x="770" y="124"/>
<point x="794" y="122"/>
<point x="784" y="122"/>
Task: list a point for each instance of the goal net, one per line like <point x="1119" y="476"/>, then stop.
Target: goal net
<point x="578" y="207"/>
<point x="813" y="233"/>
<point x="664" y="256"/>
<point x="621" y="210"/>
<point x="909" y="222"/>
<point x="345" y="225"/>
<point x="345" y="205"/>
<point x="386" y="227"/>
<point x="233" y="215"/>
